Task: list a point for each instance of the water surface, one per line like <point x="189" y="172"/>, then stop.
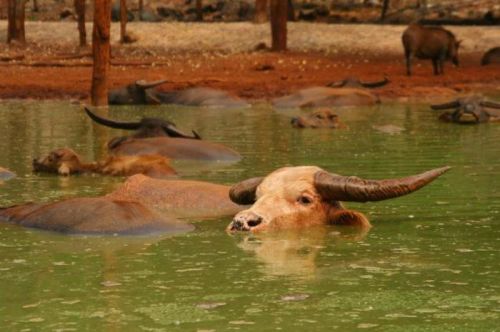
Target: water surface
<point x="430" y="263"/>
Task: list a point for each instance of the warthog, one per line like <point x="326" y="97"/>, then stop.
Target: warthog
<point x="293" y="197"/>
<point x="491" y="56"/>
<point x="470" y="110"/>
<point x="434" y="43"/>
<point x="65" y="161"/>
<point x="323" y="118"/>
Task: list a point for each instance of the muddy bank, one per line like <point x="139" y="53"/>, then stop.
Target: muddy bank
<point x="222" y="56"/>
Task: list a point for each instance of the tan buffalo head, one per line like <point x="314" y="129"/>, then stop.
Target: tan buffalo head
<point x="322" y="118"/>
<point x="63" y="161"/>
<point x="293" y="197"/>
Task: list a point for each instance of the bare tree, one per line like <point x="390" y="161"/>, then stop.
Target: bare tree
<point x="80" y="14"/>
<point x="101" y="52"/>
<point x="261" y="11"/>
<point x="123" y="20"/>
<point x="141" y="9"/>
<point x="279" y="14"/>
<point x="15" y="27"/>
<point x="385" y="7"/>
<point x="199" y="10"/>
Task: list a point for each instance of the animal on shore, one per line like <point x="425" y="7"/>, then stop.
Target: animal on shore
<point x="469" y="110"/>
<point x="156" y="136"/>
<point x="326" y="97"/>
<point x="294" y="197"/>
<point x="145" y="93"/>
<point x="492" y="56"/>
<point x="353" y="82"/>
<point x="322" y="118"/>
<point x="142" y="205"/>
<point x="65" y="161"/>
<point x="434" y="43"/>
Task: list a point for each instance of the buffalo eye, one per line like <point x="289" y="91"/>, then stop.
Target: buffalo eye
<point x="304" y="200"/>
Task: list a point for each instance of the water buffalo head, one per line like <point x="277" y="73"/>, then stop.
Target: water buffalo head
<point x="323" y="118"/>
<point x="63" y="161"/>
<point x="147" y="127"/>
<point x="353" y="82"/>
<point x="470" y="110"/>
<point x="137" y="93"/>
<point x="293" y="197"/>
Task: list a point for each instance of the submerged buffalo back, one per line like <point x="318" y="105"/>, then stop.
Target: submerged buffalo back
<point x="91" y="216"/>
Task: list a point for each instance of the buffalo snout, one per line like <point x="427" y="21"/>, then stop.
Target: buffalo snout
<point x="245" y="221"/>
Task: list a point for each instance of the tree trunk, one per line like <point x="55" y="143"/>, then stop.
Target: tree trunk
<point x="141" y="9"/>
<point x="35" y="6"/>
<point x="291" y="11"/>
<point x="80" y="14"/>
<point x="15" y="28"/>
<point x="261" y="11"/>
<point x="385" y="7"/>
<point x="279" y="13"/>
<point x="123" y="20"/>
<point x="199" y="10"/>
<point x="101" y="51"/>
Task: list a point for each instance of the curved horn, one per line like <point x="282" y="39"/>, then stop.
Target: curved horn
<point x="354" y="189"/>
<point x="243" y="193"/>
<point x="173" y="131"/>
<point x="111" y="123"/>
<point x="445" y="106"/>
<point x="375" y="84"/>
<point x="489" y="104"/>
<point x="145" y="85"/>
<point x="337" y="84"/>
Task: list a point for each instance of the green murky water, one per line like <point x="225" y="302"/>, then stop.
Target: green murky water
<point x="430" y="263"/>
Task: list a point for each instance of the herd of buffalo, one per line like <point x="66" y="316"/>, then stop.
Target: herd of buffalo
<point x="151" y="200"/>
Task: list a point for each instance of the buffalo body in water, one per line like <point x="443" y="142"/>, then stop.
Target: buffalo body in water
<point x="141" y="205"/>
<point x="145" y="93"/>
<point x="161" y="137"/>
<point x="469" y="110"/>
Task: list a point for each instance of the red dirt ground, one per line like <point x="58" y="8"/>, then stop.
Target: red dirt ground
<point x="254" y="76"/>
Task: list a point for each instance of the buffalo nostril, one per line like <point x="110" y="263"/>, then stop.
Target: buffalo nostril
<point x="254" y="222"/>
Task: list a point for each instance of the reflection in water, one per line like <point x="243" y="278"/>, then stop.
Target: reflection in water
<point x="293" y="252"/>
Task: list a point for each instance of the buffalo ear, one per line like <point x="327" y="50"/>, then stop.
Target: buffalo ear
<point x="347" y="218"/>
<point x="243" y="193"/>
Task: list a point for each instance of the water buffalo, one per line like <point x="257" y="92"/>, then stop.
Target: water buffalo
<point x="147" y="127"/>
<point x="155" y="136"/>
<point x="491" y="56"/>
<point x="5" y="174"/>
<point x="353" y="82"/>
<point x="143" y="93"/>
<point x="470" y="110"/>
<point x="326" y="97"/>
<point x="323" y="118"/>
<point x="141" y="205"/>
<point x="294" y="197"/>
<point x="434" y="43"/>
<point x="65" y="161"/>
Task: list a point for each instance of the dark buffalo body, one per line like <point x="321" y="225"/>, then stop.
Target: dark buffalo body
<point x="434" y="43"/>
<point x="470" y="110"/>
